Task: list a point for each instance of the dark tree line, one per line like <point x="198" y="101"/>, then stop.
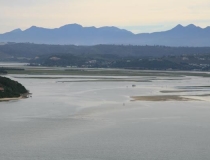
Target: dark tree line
<point x="11" y="88"/>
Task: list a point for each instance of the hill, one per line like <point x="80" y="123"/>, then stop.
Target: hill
<point x="10" y="88"/>
<point x="25" y="51"/>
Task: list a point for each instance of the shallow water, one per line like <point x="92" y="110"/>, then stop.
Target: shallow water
<point x="97" y="121"/>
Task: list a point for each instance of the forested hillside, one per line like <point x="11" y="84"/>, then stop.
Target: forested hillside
<point x="29" y="50"/>
<point x="10" y="88"/>
<point x="108" y="56"/>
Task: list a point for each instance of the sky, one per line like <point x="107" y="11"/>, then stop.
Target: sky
<point x="138" y="16"/>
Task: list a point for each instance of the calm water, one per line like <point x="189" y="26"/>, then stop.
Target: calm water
<point x="97" y="121"/>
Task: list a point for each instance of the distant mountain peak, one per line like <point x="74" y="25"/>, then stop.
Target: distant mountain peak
<point x="32" y="27"/>
<point x="191" y="25"/>
<point x="180" y="35"/>
<point x="178" y="27"/>
<point x="16" y="30"/>
<point x="71" y="25"/>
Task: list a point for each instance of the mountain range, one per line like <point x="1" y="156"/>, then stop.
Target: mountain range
<point x="76" y="34"/>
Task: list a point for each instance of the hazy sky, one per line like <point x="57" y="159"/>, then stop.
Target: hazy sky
<point x="135" y="15"/>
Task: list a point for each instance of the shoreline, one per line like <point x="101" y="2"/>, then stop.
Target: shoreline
<point x="23" y="96"/>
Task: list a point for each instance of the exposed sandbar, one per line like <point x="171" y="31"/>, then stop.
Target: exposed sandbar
<point x="23" y="96"/>
<point x="161" y="98"/>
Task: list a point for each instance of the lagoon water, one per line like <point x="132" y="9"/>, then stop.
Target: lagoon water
<point x="70" y="117"/>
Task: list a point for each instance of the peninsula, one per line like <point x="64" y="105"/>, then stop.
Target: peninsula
<point x="11" y="90"/>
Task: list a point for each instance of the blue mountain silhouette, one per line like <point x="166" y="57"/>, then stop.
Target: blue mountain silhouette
<point x="76" y="34"/>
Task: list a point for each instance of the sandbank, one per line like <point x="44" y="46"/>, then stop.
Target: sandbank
<point x="161" y="98"/>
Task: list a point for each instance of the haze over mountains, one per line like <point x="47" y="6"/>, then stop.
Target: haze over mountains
<point x="190" y="35"/>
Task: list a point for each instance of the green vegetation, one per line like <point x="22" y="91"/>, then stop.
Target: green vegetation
<point x="109" y="56"/>
<point x="10" y="88"/>
<point x="183" y="62"/>
<point x="29" y="50"/>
